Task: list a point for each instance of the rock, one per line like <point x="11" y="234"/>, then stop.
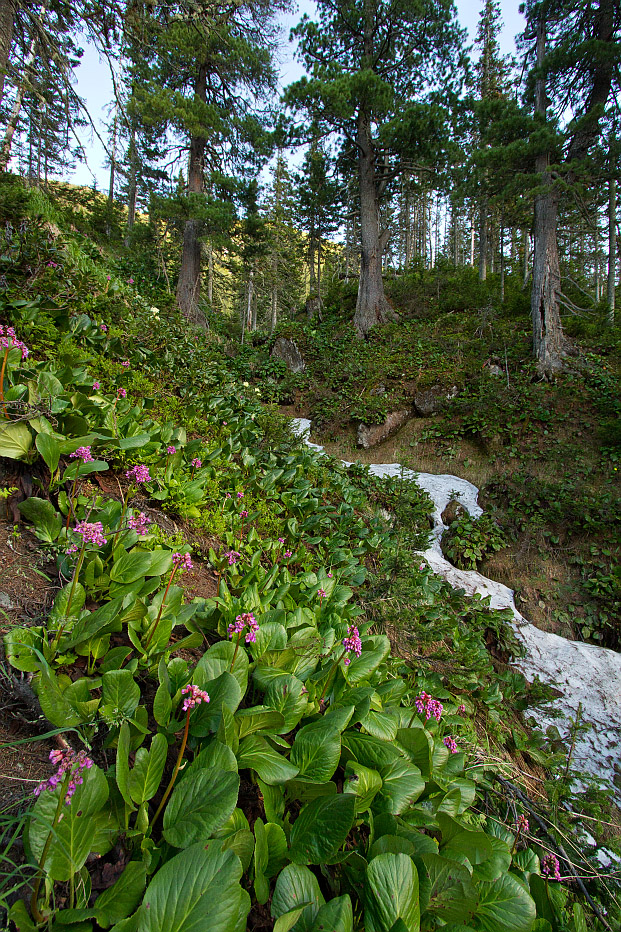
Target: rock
<point x="288" y="351"/>
<point x="453" y="512"/>
<point x="495" y="370"/>
<point x="433" y="399"/>
<point x="370" y="436"/>
<point x="379" y="389"/>
<point x="5" y="602"/>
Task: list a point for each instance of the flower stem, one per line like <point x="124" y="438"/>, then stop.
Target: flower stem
<point x="169" y="788"/>
<point x="159" y="614"/>
<point x="76" y="573"/>
<point x="72" y="496"/>
<point x="34" y="907"/>
<point x="331" y="676"/>
<point x="235" y="654"/>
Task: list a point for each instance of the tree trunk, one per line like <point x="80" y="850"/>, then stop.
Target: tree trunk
<point x="612" y="245"/>
<point x="371" y="307"/>
<point x="548" y="340"/>
<point x="526" y="270"/>
<point x="483" y="241"/>
<point x="210" y="274"/>
<point x="472" y="241"/>
<point x="502" y="262"/>
<point x="250" y="295"/>
<point x="189" y="283"/>
<point x="132" y="183"/>
<point x="7" y="21"/>
<point x="11" y="126"/>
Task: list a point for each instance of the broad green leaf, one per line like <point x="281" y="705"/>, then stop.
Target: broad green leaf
<point x="370" y="751"/>
<point x="402" y="784"/>
<point x="47" y="521"/>
<point x="321" y="828"/>
<point x="73" y="837"/>
<point x="199" y="805"/>
<point x="383" y="725"/>
<point x="258" y="718"/>
<point x="122" y="898"/>
<point x="285" y="695"/>
<point x="477" y="846"/>
<point x="217" y="660"/>
<point x="374" y="651"/>
<point x="120" y="694"/>
<point x="363" y="782"/>
<point x="146" y="775"/>
<point x="222" y="691"/>
<point x="122" y="763"/>
<point x="130" y="567"/>
<point x="418" y="745"/>
<point x="258" y="755"/>
<point x="20" y="645"/>
<point x="295" y="886"/>
<point x="453" y="896"/>
<point x="316" y="753"/>
<point x="335" y="916"/>
<point x="391" y="894"/>
<point x="49" y="448"/>
<point x="56" y="708"/>
<point x="497" y="864"/>
<point x="15" y="440"/>
<point x="215" y="756"/>
<point x="196" y="891"/>
<point x="504" y="904"/>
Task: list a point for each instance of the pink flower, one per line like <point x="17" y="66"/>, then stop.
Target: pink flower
<point x="240" y="494"/>
<point x="429" y="706"/>
<point x="550" y="867"/>
<point x="287" y="554"/>
<point x="122" y="393"/>
<point x="194" y="696"/>
<point x="103" y="328"/>
<point x="67" y="761"/>
<point x="109" y="277"/>
<point x="52" y="265"/>
<point x="139" y="523"/>
<point x="281" y="540"/>
<point x="171" y="449"/>
<point x="72" y="549"/>
<point x="139" y="474"/>
<point x="329" y="575"/>
<point x="130" y="281"/>
<point x="8" y="340"/>
<point x="451" y="744"/>
<point x="461" y="710"/>
<point x="196" y="463"/>
<point x="125" y="364"/>
<point x="246" y="620"/>
<point x="243" y="514"/>
<point x="82" y="453"/>
<point x="92" y="533"/>
<point x="183" y="560"/>
<point x="321" y="593"/>
<point x="352" y="643"/>
<point x="232" y="556"/>
<point x="522" y="823"/>
<point x="96" y="386"/>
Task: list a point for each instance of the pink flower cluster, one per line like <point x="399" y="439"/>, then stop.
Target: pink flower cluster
<point x="243" y="514"/>
<point x="232" y="556"/>
<point x="287" y="554"/>
<point x="125" y="364"/>
<point x="96" y="386"/>
<point x="281" y="540"/>
<point x="461" y="710"/>
<point x="122" y="393"/>
<point x="194" y="696"/>
<point x="196" y="463"/>
<point x="183" y="560"/>
<point x="8" y="340"/>
<point x="247" y="620"/>
<point x="139" y="523"/>
<point x="67" y="761"/>
<point x="82" y="453"/>
<point x="352" y="643"/>
<point x="171" y="449"/>
<point x="91" y="533"/>
<point x="451" y="744"/>
<point x="550" y="867"/>
<point x="429" y="706"/>
<point x="240" y="494"/>
<point x="321" y="593"/>
<point x="522" y="823"/>
<point x="103" y="327"/>
<point x="139" y="474"/>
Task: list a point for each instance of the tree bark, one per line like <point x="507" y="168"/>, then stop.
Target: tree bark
<point x="483" y="240"/>
<point x="210" y="274"/>
<point x="11" y="126"/>
<point x="7" y="22"/>
<point x="612" y="237"/>
<point x="371" y="307"/>
<point x="132" y="184"/>
<point x="189" y="283"/>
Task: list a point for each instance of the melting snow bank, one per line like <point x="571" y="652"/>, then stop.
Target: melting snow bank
<point x="585" y="674"/>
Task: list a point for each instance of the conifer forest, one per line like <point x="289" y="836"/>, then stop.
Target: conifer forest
<point x="310" y="447"/>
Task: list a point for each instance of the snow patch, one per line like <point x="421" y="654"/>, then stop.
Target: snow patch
<point x="587" y="676"/>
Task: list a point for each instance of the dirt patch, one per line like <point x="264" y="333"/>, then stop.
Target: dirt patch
<point x="199" y="582"/>
<point x="28" y="581"/>
<point x="22" y="766"/>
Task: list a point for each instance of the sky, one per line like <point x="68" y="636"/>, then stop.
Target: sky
<point x="95" y="87"/>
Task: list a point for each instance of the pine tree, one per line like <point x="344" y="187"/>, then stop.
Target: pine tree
<point x="372" y="61"/>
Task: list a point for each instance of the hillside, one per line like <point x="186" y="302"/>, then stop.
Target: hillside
<point x="264" y="711"/>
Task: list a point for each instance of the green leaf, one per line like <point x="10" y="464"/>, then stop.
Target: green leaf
<point x="15" y="440"/>
<point x="402" y="784"/>
<point x="223" y="691"/>
<point x="295" y="886"/>
<point x="321" y="828"/>
<point x="335" y="916"/>
<point x="130" y="567"/>
<point x="120" y="694"/>
<point x="58" y="710"/>
<point x="199" y="805"/>
<point x="146" y="775"/>
<point x="20" y="645"/>
<point x="73" y="837"/>
<point x="49" y="448"/>
<point x="363" y="782"/>
<point x="453" y="896"/>
<point x="217" y="660"/>
<point x="122" y="898"/>
<point x="374" y="651"/>
<point x="47" y="521"/>
<point x="198" y="890"/>
<point x="285" y="695"/>
<point x="258" y="718"/>
<point x="122" y="763"/>
<point x="256" y="754"/>
<point x="504" y="904"/>
<point x="418" y="745"/>
<point x="316" y="752"/>
<point x="392" y="894"/>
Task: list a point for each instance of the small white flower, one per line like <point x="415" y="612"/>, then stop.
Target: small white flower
<point x="245" y="384"/>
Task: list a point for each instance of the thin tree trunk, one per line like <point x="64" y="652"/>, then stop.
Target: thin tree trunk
<point x="7" y="22"/>
<point x="526" y="269"/>
<point x="612" y="246"/>
<point x="5" y="152"/>
<point x="483" y="240"/>
<point x="249" y="301"/>
<point x="210" y="274"/>
<point x="502" y="262"/>
<point x="472" y="241"/>
<point x="189" y="283"/>
<point x="132" y="186"/>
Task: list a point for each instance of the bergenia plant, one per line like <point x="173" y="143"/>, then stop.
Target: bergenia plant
<point x="8" y="342"/>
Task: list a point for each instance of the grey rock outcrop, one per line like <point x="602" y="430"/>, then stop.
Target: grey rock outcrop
<point x="371" y="435"/>
<point x="288" y="351"/>
<point x="431" y="400"/>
